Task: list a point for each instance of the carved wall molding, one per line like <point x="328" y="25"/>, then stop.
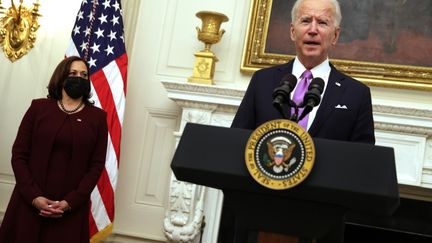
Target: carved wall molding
<point x="407" y="129"/>
<point x="403" y="120"/>
<point x="181" y="224"/>
<point x="196" y="116"/>
<point x="206" y="106"/>
<point x="402" y="111"/>
<point x="203" y="89"/>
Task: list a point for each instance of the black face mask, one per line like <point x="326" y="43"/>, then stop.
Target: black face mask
<point x="76" y="87"/>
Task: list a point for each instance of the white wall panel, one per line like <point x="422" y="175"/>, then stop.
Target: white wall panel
<point x="155" y="160"/>
<point x="7" y="183"/>
<point x="428" y="159"/>
<point x="144" y="171"/>
<point x="409" y="153"/>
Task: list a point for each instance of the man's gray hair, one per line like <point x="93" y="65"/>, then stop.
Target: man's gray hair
<point x="336" y="7"/>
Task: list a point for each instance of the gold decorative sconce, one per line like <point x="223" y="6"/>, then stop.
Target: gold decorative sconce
<point x="18" y="28"/>
<point x="210" y="33"/>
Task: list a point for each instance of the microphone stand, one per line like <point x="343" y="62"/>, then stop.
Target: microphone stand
<point x="282" y="111"/>
<point x="285" y="110"/>
<point x="294" y="116"/>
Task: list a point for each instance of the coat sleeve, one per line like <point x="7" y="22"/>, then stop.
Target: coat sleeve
<point x="245" y="115"/>
<point x="81" y="194"/>
<point x="21" y="148"/>
<point x="364" y="130"/>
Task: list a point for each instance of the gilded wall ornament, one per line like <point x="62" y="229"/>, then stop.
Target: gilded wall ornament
<point x="18" y="26"/>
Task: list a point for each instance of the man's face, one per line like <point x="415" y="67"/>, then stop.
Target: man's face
<point x="314" y="31"/>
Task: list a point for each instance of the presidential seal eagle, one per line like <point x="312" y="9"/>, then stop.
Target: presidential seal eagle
<point x="280" y="149"/>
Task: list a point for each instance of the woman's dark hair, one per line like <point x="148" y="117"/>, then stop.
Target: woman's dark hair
<point x="59" y="76"/>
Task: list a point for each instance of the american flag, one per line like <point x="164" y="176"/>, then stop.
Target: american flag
<point x="98" y="37"/>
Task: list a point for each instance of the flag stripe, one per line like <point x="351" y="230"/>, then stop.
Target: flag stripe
<point x="122" y="63"/>
<point x="111" y="164"/>
<point x="115" y="82"/>
<point x="98" y="37"/>
<point x="92" y="225"/>
<point x="107" y="194"/>
<point x="106" y="191"/>
<point x="105" y="95"/>
<point x="99" y="211"/>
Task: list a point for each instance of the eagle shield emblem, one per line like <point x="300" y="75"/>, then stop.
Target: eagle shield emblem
<point x="280" y="149"/>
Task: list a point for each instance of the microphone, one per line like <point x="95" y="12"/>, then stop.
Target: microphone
<point x="281" y="95"/>
<point x="312" y="97"/>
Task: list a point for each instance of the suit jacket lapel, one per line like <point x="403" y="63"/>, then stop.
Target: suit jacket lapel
<point x="278" y="76"/>
<point x="283" y="70"/>
<point x="335" y="88"/>
<point x="331" y="97"/>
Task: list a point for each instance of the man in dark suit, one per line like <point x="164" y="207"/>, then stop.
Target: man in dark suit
<point x="345" y="112"/>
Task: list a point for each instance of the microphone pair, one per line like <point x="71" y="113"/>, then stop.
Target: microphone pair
<point x="282" y="99"/>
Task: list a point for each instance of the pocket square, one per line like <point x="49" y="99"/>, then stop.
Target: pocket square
<point x="341" y="107"/>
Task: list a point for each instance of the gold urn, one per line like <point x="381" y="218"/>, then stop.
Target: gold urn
<point x="210" y="33"/>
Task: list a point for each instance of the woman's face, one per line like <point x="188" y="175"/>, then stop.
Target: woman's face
<point x="78" y="69"/>
<point x="74" y="88"/>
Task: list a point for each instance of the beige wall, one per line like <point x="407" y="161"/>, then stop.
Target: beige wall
<point x="160" y="40"/>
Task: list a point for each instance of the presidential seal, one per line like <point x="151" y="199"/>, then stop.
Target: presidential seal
<point x="280" y="154"/>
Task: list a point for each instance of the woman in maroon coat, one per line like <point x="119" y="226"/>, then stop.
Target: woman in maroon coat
<point x="57" y="158"/>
